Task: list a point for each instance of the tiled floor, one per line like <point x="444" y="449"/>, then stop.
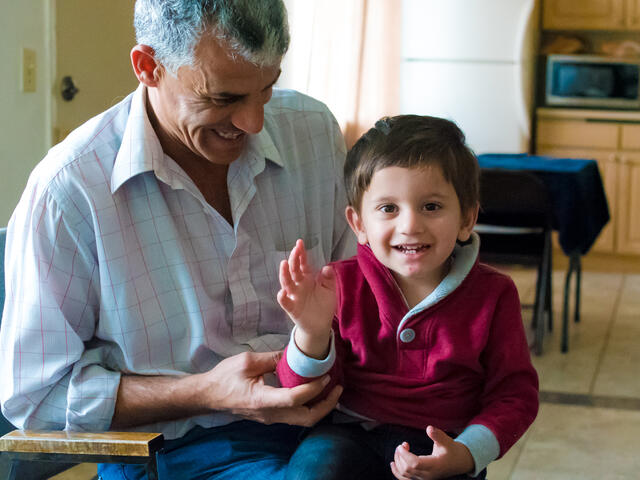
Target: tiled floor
<point x="588" y="426"/>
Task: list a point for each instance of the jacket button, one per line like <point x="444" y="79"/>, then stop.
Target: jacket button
<point x="407" y="335"/>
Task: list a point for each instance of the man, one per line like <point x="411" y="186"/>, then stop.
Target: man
<point x="142" y="258"/>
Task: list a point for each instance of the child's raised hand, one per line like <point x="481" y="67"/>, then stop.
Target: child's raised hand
<point x="448" y="458"/>
<point x="309" y="299"/>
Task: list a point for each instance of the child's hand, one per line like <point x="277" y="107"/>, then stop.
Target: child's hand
<point x="309" y="300"/>
<point x="448" y="458"/>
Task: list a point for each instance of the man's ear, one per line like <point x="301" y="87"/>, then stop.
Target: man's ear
<point x="145" y="66"/>
<point x="469" y="219"/>
<point x="355" y="222"/>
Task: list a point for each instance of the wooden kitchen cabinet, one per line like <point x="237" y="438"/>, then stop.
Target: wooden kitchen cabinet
<point x="634" y="14"/>
<point x="591" y="14"/>
<point x="628" y="229"/>
<point x="615" y="145"/>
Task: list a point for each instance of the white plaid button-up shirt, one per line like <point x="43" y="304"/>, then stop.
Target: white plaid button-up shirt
<point x="115" y="262"/>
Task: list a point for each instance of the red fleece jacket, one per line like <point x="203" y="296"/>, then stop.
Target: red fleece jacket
<point x="468" y="362"/>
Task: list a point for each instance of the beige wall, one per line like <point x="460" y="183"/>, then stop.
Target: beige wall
<point x="24" y="117"/>
<point x="94" y="39"/>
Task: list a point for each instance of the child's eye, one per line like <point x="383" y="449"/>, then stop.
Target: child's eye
<point x="387" y="208"/>
<point x="430" y="207"/>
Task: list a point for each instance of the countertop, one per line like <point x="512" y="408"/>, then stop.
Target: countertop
<point x="631" y="116"/>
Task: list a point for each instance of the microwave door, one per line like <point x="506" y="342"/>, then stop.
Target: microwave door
<point x="598" y="84"/>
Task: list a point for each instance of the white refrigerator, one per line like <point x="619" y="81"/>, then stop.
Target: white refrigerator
<point x="472" y="61"/>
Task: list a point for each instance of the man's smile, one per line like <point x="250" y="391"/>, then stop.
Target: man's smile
<point x="228" y="135"/>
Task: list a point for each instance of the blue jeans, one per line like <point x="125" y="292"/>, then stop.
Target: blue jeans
<point x="239" y="450"/>
<point x="347" y="451"/>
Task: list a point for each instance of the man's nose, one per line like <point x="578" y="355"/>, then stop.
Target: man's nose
<point x="249" y="116"/>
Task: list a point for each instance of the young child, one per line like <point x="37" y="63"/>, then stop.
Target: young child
<point x="420" y="335"/>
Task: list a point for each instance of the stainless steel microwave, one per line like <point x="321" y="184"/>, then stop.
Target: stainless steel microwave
<point x="592" y="81"/>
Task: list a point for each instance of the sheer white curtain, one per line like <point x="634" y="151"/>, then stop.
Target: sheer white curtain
<point x="346" y="53"/>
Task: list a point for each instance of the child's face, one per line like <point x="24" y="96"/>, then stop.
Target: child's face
<point x="411" y="219"/>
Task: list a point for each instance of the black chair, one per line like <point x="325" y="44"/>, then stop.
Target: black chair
<point x="39" y="455"/>
<point x="515" y="224"/>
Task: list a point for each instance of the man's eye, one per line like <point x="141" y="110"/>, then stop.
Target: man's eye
<point x="222" y="102"/>
<point x="430" y="207"/>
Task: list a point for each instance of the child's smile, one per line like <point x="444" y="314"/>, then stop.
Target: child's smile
<point x="411" y="249"/>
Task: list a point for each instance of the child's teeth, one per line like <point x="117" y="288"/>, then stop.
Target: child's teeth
<point x="411" y="250"/>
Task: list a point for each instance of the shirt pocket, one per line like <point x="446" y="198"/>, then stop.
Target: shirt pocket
<point x="272" y="314"/>
<point x="315" y="254"/>
<point x="270" y="284"/>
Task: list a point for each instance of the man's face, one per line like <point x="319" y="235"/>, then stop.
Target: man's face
<point x="210" y="108"/>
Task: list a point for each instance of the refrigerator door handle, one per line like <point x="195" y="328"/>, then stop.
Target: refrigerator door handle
<point x="521" y="100"/>
<point x="523" y="55"/>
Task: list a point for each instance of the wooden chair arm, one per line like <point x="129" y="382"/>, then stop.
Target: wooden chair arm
<point x="20" y="446"/>
<point x="135" y="444"/>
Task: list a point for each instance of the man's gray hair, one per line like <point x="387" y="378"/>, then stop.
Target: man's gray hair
<point x="256" y="30"/>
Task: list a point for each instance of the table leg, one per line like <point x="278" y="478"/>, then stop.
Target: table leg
<point x="578" y="269"/>
<point x="574" y="267"/>
<point x="549" y="298"/>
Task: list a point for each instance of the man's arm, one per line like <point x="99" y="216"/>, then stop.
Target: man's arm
<point x="52" y="373"/>
<point x="234" y="385"/>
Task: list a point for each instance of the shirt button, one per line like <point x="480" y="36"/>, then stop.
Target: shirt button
<point x="407" y="335"/>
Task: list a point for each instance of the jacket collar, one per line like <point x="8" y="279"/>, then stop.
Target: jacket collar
<point x="388" y="295"/>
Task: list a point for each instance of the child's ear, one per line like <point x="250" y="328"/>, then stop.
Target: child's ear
<point x="469" y="219"/>
<point x="355" y="222"/>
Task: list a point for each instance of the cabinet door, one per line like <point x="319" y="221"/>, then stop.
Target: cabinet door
<point x="633" y="14"/>
<point x="630" y="136"/>
<point x="628" y="226"/>
<point x="584" y="14"/>
<point x="608" y="171"/>
<point x="578" y="134"/>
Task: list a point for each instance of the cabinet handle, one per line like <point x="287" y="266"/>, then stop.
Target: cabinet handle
<point x="612" y="120"/>
<point x="630" y="160"/>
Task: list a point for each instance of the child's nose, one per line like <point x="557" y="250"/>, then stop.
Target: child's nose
<point x="411" y="223"/>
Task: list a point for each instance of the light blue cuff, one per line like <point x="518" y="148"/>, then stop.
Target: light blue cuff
<point x="482" y="444"/>
<point x="306" y="366"/>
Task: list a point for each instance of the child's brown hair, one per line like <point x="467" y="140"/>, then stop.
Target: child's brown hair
<point x="413" y="141"/>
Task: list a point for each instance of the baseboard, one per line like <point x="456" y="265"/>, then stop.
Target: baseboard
<point x="600" y="262"/>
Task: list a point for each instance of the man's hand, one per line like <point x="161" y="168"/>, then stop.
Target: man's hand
<point x="237" y="385"/>
<point x="448" y="458"/>
<point x="310" y="301"/>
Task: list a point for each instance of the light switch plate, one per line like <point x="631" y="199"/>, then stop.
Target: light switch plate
<point x="29" y="70"/>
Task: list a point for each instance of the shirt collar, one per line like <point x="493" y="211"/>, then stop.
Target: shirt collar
<point x="262" y="146"/>
<point x="140" y="150"/>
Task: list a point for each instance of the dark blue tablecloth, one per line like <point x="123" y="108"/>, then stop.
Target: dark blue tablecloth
<point x="579" y="202"/>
